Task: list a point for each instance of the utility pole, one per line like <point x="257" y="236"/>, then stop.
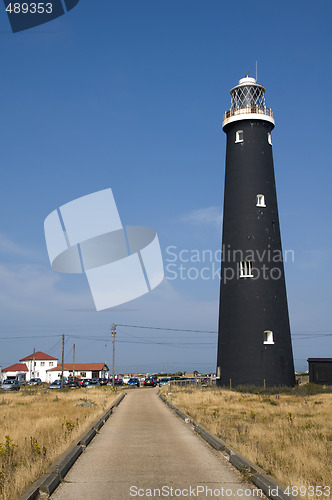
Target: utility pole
<point x="63" y="358"/>
<point x="33" y="362"/>
<point x="74" y="361"/>
<point x="113" y="340"/>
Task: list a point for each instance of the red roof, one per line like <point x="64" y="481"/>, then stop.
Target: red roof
<point x="17" y="367"/>
<point x="39" y="356"/>
<point x="79" y="367"/>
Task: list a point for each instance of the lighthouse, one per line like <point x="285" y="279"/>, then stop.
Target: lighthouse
<point x="254" y="341"/>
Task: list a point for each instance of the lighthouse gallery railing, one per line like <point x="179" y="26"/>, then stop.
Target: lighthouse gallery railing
<point x="249" y="109"/>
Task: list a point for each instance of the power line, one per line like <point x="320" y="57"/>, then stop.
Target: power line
<point x="86" y="328"/>
<point x="143" y="341"/>
<point x="149" y="341"/>
<point x="167" y="329"/>
<point x="27" y="337"/>
<point x="323" y="333"/>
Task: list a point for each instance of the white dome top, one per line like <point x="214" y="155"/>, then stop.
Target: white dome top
<point x="247" y="80"/>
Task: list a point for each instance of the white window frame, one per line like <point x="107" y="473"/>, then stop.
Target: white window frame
<point x="268" y="337"/>
<point x="51" y="363"/>
<point x="269" y="138"/>
<point x="246" y="269"/>
<point x="238" y="135"/>
<point x="42" y="363"/>
<point x="260" y="200"/>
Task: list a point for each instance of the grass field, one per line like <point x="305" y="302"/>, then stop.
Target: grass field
<point x="288" y="435"/>
<point x="37" y="425"/>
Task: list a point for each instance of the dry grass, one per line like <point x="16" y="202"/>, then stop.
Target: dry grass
<point x="37" y="425"/>
<point x="288" y="435"/>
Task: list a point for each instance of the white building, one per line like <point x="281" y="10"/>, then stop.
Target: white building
<point x="82" y="370"/>
<point x="13" y="371"/>
<point x="38" y="364"/>
<point x="46" y="367"/>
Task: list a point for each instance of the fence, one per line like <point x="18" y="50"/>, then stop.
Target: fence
<point x="197" y="381"/>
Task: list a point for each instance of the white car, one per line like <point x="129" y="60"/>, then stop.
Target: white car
<point x="126" y="380"/>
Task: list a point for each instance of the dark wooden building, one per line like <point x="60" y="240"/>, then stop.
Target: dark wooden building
<point x="320" y="371"/>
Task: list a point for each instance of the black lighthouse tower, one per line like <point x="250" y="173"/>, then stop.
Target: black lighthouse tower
<point x="254" y="344"/>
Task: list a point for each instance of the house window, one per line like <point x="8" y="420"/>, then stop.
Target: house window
<point x="269" y="138"/>
<point x="260" y="200"/>
<point x="42" y="363"/>
<point x="51" y="363"/>
<point x="239" y="136"/>
<point x="246" y="269"/>
<point x="268" y="337"/>
<point x="83" y="374"/>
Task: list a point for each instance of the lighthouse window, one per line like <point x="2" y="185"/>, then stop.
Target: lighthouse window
<point x="239" y="136"/>
<point x="268" y="337"/>
<point x="260" y="200"/>
<point x="269" y="138"/>
<point x="246" y="269"/>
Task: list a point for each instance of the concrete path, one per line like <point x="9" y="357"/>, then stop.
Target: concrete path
<point x="144" y="447"/>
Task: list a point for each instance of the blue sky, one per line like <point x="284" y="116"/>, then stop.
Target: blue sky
<point x="130" y="95"/>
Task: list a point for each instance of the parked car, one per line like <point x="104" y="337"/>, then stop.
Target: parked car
<point x="10" y="385"/>
<point x="102" y="381"/>
<point x="133" y="381"/>
<point x="71" y="379"/>
<point x="93" y="383"/>
<point x="35" y="381"/>
<point x="20" y="377"/>
<point x="126" y="379"/>
<point x="56" y="384"/>
<point x="150" y="382"/>
<point x="164" y="381"/>
<point x="72" y="384"/>
<point x="204" y="382"/>
<point x="85" y="382"/>
<point x="117" y="381"/>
